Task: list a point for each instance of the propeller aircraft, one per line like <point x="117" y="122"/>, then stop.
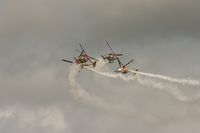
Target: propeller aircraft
<point x="111" y="57"/>
<point x="82" y="59"/>
<point x="123" y="69"/>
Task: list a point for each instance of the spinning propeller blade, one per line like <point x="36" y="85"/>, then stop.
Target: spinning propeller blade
<point x="82" y="53"/>
<point x="119" y="54"/>
<point x="67" y="61"/>
<point x="81" y="47"/>
<point x="128" y="63"/>
<point x="120" y="63"/>
<point x="110" y="47"/>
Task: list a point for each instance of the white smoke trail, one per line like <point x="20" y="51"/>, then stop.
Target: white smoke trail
<point x="112" y="75"/>
<point x="82" y="95"/>
<point x="171" y="89"/>
<point x="76" y="89"/>
<point x="101" y="64"/>
<point x="180" y="81"/>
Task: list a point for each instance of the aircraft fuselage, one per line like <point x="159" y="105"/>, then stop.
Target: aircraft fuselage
<point x="122" y="70"/>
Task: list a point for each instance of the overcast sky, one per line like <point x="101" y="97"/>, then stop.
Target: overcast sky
<point x="162" y="36"/>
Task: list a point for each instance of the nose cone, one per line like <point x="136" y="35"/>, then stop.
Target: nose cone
<point x="119" y="69"/>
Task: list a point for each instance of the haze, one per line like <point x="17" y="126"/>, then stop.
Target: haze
<point x="162" y="36"/>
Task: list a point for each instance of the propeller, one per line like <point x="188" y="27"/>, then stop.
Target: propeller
<point x="83" y="51"/>
<point x="90" y="60"/>
<point x="81" y="47"/>
<point x="77" y="50"/>
<point x="113" y="53"/>
<point x="77" y="61"/>
<point x="87" y="56"/>
<point x="120" y="63"/>
<point x="110" y="47"/>
<point x="128" y="63"/>
<point x="119" y="54"/>
<point x="67" y="61"/>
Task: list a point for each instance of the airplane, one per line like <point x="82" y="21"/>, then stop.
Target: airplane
<point x="123" y="69"/>
<point x="111" y="57"/>
<point x="82" y="59"/>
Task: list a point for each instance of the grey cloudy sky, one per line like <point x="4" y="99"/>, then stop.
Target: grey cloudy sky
<point x="163" y="37"/>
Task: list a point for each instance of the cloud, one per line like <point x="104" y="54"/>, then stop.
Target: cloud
<point x="22" y="119"/>
<point x="161" y="36"/>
